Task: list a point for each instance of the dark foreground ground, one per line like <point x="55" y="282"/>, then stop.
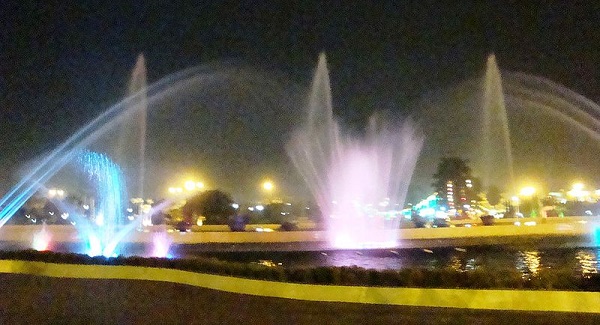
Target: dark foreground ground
<point x="26" y="299"/>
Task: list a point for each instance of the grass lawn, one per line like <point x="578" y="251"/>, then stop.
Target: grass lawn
<point x="27" y="299"/>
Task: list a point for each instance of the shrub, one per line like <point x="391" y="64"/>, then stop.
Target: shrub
<point x="238" y="222"/>
<point x="555" y="279"/>
<point x="288" y="226"/>
<point x="300" y="275"/>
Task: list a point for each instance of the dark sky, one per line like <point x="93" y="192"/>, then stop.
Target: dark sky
<point x="61" y="64"/>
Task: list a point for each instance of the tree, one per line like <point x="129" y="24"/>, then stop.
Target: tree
<point x="493" y="195"/>
<point x="214" y="205"/>
<point x="454" y="182"/>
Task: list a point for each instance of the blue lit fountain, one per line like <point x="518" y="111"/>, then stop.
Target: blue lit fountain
<point x="104" y="229"/>
<point x="188" y="101"/>
<point x="107" y="225"/>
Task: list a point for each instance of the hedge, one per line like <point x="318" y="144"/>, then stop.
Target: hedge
<point x="481" y="278"/>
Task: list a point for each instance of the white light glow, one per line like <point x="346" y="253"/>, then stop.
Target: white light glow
<point x="190" y="185"/>
<point x="268" y="186"/>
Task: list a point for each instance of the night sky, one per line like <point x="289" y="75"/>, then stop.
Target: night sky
<point x="63" y="64"/>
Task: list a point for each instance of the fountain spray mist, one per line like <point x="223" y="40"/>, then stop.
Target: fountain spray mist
<point x="359" y="183"/>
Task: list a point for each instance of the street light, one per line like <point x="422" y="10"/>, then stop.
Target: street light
<point x="189" y="185"/>
<point x="175" y="190"/>
<point x="56" y="192"/>
<point x="527" y="191"/>
<point x="268" y="186"/>
<point x="516" y="201"/>
<point x="578" y="193"/>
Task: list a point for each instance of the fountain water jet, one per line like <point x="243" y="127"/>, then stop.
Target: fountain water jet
<point x="104" y="234"/>
<point x="134" y="134"/>
<point x="41" y="240"/>
<point x="354" y="180"/>
<point x="525" y="93"/>
<point x="161" y="244"/>
<point x="496" y="147"/>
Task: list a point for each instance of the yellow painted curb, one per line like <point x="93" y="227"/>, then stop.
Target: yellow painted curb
<point x="526" y="300"/>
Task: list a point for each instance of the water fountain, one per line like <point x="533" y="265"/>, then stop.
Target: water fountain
<point x="41" y="240"/>
<point x="358" y="181"/>
<point x="496" y="151"/>
<point x="354" y="180"/>
<point x="133" y="135"/>
<point x="513" y="128"/>
<point x="107" y="226"/>
<point x="103" y="231"/>
<point x="221" y="92"/>
<point x="548" y="113"/>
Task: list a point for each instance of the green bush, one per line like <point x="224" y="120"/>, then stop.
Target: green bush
<point x="300" y="275"/>
<point x="481" y="278"/>
<point x="552" y="279"/>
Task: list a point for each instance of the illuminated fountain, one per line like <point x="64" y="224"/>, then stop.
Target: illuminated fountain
<point x="355" y="180"/>
<point x="183" y="107"/>
<point x="497" y="159"/>
<point x="52" y="163"/>
<point x="107" y="227"/>
<point x="547" y="112"/>
<point x="130" y="149"/>
<point x="161" y="244"/>
<point x="41" y="239"/>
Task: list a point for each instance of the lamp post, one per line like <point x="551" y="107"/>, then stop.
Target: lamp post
<point x="268" y="187"/>
<point x="531" y="202"/>
<point x="515" y="201"/>
<point x="528" y="191"/>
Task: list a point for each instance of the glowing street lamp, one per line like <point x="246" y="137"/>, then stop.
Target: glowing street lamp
<point x="175" y="190"/>
<point x="527" y="191"/>
<point x="189" y="185"/>
<point x="268" y="186"/>
<point x="56" y="192"/>
<point x="516" y="201"/>
<point x="578" y="192"/>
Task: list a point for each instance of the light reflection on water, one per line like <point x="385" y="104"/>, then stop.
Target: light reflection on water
<point x="462" y="264"/>
<point x="528" y="263"/>
<point x="583" y="261"/>
<point x="588" y="262"/>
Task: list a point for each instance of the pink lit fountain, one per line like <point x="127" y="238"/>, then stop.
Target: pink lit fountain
<point x="41" y="240"/>
<point x="359" y="182"/>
